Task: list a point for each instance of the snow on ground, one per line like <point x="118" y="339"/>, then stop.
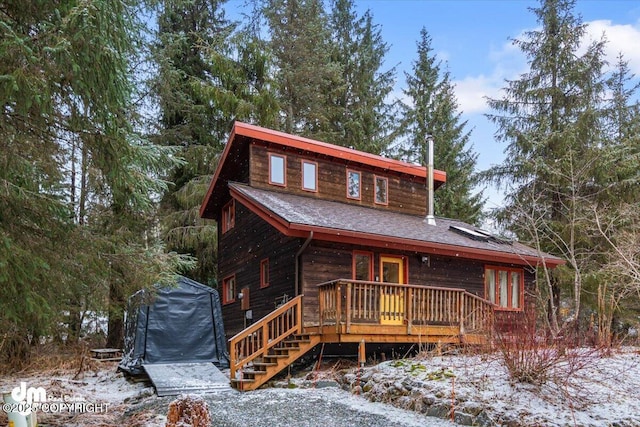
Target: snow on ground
<point x="595" y="391"/>
<point x="588" y="390"/>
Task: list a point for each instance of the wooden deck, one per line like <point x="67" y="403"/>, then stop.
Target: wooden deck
<point x="358" y="311"/>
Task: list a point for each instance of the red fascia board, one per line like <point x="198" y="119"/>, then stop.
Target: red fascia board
<point x="367" y="239"/>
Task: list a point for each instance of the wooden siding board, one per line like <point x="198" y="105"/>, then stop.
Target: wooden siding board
<point x="406" y="195"/>
<point x="240" y="251"/>
<point x="325" y="261"/>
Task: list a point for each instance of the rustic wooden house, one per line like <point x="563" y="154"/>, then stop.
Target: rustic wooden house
<point x="321" y="243"/>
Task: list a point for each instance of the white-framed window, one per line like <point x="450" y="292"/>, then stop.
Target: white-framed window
<point x="381" y="196"/>
<point x="309" y="175"/>
<point x="354" y="183"/>
<point x="229" y="289"/>
<point x="504" y="287"/>
<point x="277" y="169"/>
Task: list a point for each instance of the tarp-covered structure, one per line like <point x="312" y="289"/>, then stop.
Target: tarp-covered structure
<point x="175" y="324"/>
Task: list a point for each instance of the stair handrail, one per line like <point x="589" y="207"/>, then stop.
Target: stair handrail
<point x="238" y="360"/>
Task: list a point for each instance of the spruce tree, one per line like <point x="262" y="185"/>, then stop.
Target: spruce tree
<point x="360" y="115"/>
<point x="208" y="76"/>
<point x="306" y="76"/>
<point x="75" y="174"/>
<point x="550" y="119"/>
<point x="433" y="110"/>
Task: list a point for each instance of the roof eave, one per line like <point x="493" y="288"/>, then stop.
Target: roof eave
<point x="389" y="242"/>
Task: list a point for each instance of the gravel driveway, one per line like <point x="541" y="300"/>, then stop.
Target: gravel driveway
<point x="300" y="407"/>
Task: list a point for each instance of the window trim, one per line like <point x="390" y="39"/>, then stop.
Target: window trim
<point x="225" y="289"/>
<point x="315" y="182"/>
<point x="359" y="197"/>
<point x="284" y="170"/>
<point x="509" y="270"/>
<point x="229" y="209"/>
<point x="264" y="281"/>
<point x="371" y="266"/>
<point x="375" y="190"/>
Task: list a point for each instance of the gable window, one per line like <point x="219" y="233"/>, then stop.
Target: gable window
<point x="504" y="287"/>
<point x="228" y="216"/>
<point x="353" y="185"/>
<point x="229" y="289"/>
<point x="309" y="176"/>
<point x="277" y="169"/>
<point x="381" y="190"/>
<point x="363" y="266"/>
<point x="264" y="273"/>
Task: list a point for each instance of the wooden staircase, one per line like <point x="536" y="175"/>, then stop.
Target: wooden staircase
<point x="268" y="346"/>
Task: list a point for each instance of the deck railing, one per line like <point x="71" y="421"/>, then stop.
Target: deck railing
<point x="256" y="340"/>
<point x="347" y="302"/>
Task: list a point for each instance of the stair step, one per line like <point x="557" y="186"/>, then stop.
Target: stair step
<point x="247" y="372"/>
<point x="264" y="364"/>
<point x="275" y="356"/>
<point x="244" y="380"/>
<point x="296" y="348"/>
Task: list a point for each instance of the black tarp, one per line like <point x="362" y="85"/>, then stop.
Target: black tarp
<point x="180" y="324"/>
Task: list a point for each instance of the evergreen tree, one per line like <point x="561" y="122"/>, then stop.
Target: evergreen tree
<point x="66" y="105"/>
<point x="433" y="110"/>
<point x="207" y="78"/>
<point x="305" y="75"/>
<point x="550" y="119"/>
<point x="359" y="114"/>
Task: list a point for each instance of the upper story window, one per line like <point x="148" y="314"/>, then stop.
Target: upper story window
<point x="229" y="289"/>
<point x="504" y="287"/>
<point x="228" y="216"/>
<point x="309" y="175"/>
<point x="264" y="273"/>
<point x="363" y="266"/>
<point x="353" y="184"/>
<point x="277" y="169"/>
<point x="381" y="196"/>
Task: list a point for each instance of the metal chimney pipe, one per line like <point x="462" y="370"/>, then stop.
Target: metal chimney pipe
<point x="431" y="219"/>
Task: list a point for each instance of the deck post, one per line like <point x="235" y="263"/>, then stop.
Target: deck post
<point x="461" y="300"/>
<point x="348" y="307"/>
<point x="409" y="310"/>
<point x="362" y="354"/>
<point x="300" y="325"/>
<point x="338" y="307"/>
<point x="321" y="296"/>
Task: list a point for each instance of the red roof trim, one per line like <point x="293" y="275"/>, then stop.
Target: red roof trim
<point x="359" y="238"/>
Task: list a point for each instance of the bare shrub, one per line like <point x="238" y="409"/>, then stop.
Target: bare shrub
<point x="532" y="356"/>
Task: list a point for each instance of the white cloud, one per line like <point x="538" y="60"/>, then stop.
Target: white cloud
<point x="471" y="92"/>
<point x="620" y="38"/>
<point x="508" y="63"/>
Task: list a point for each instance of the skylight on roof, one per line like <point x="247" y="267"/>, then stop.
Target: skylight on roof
<point x="479" y="235"/>
<point x="467" y="232"/>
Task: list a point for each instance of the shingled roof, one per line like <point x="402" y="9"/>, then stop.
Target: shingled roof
<point x="295" y="215"/>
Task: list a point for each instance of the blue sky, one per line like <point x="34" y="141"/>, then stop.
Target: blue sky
<point x="473" y="37"/>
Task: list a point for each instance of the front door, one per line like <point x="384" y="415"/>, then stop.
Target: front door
<point x="392" y="297"/>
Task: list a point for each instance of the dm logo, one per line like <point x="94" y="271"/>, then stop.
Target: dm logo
<point x="29" y="395"/>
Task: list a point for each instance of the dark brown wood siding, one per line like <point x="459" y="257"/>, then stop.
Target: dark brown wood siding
<point x="323" y="262"/>
<point x="240" y="252"/>
<point x="405" y="194"/>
